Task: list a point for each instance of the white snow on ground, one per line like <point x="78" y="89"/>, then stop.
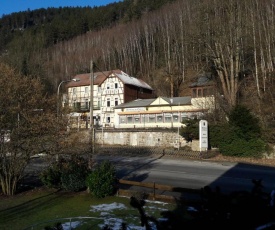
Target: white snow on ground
<point x="115" y="222"/>
<point x="107" y="207"/>
<point x="71" y="225"/>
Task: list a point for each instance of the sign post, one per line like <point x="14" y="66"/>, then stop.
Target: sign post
<point x="203" y="135"/>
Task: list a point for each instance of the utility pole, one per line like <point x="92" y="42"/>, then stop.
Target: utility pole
<point x="92" y="134"/>
<point x="179" y="127"/>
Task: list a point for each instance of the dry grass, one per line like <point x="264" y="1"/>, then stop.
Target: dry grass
<point x="263" y="161"/>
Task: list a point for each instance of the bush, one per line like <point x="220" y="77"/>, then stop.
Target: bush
<point x="240" y="137"/>
<point x="217" y="134"/>
<point x="68" y="174"/>
<point x="51" y="176"/>
<point x="243" y="148"/>
<point x="102" y="181"/>
<point x="191" y="129"/>
<point x="73" y="177"/>
<point x="246" y="125"/>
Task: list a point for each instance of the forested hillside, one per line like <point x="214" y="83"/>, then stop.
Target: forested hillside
<point x="166" y="43"/>
<point x="24" y="36"/>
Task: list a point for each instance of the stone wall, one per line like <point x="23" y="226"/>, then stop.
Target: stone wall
<point x="149" y="138"/>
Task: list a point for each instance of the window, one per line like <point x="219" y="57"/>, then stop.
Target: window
<point x="194" y="92"/>
<point x="176" y="117"/>
<point x="116" y="85"/>
<point x="137" y="119"/>
<point x="130" y="119"/>
<point x="122" y="119"/>
<point x="159" y="118"/>
<point x="199" y="92"/>
<point x="116" y="101"/>
<point x="108" y="120"/>
<point x="145" y="118"/>
<point x="168" y="117"/>
<point x="108" y="86"/>
<point x="86" y="104"/>
<point x="86" y="90"/>
<point x="108" y="102"/>
<point x="74" y="90"/>
<point x="202" y="92"/>
<point x="152" y="118"/>
<point x="99" y="89"/>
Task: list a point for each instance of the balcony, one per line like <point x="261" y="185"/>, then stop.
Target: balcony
<point x="81" y="109"/>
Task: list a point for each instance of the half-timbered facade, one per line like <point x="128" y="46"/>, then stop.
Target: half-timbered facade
<point x="110" y="89"/>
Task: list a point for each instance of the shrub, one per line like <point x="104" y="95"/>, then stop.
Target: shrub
<point x="246" y="125"/>
<point x="243" y="148"/>
<point x="73" y="178"/>
<point x="217" y="134"/>
<point x="191" y="129"/>
<point x="241" y="137"/>
<point x="51" y="176"/>
<point x="102" y="181"/>
<point x="69" y="174"/>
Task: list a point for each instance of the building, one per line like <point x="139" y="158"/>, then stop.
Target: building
<point x="161" y="112"/>
<point x="164" y="112"/>
<point x="110" y="89"/>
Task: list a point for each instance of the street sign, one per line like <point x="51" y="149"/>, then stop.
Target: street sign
<point x="203" y="135"/>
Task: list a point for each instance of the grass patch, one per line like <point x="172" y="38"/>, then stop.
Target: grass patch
<point x="41" y="205"/>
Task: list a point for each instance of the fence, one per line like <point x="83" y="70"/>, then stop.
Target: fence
<point x="147" y="151"/>
<point x="153" y="190"/>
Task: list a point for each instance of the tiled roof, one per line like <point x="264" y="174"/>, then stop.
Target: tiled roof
<point x="85" y="80"/>
<point x="148" y="102"/>
<point x="100" y="77"/>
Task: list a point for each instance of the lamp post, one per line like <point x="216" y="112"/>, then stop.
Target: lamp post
<point x="92" y="139"/>
<point x="57" y="106"/>
<point x="58" y="90"/>
<point x="178" y="126"/>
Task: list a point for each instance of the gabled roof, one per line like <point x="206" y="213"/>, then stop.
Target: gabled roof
<point x="128" y="80"/>
<point x="204" y="79"/>
<point x="100" y="77"/>
<point x="160" y="101"/>
<point x="85" y="80"/>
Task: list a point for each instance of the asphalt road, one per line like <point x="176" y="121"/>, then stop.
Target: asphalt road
<point x="192" y="174"/>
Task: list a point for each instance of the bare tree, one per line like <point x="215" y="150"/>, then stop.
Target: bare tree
<point x="27" y="120"/>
